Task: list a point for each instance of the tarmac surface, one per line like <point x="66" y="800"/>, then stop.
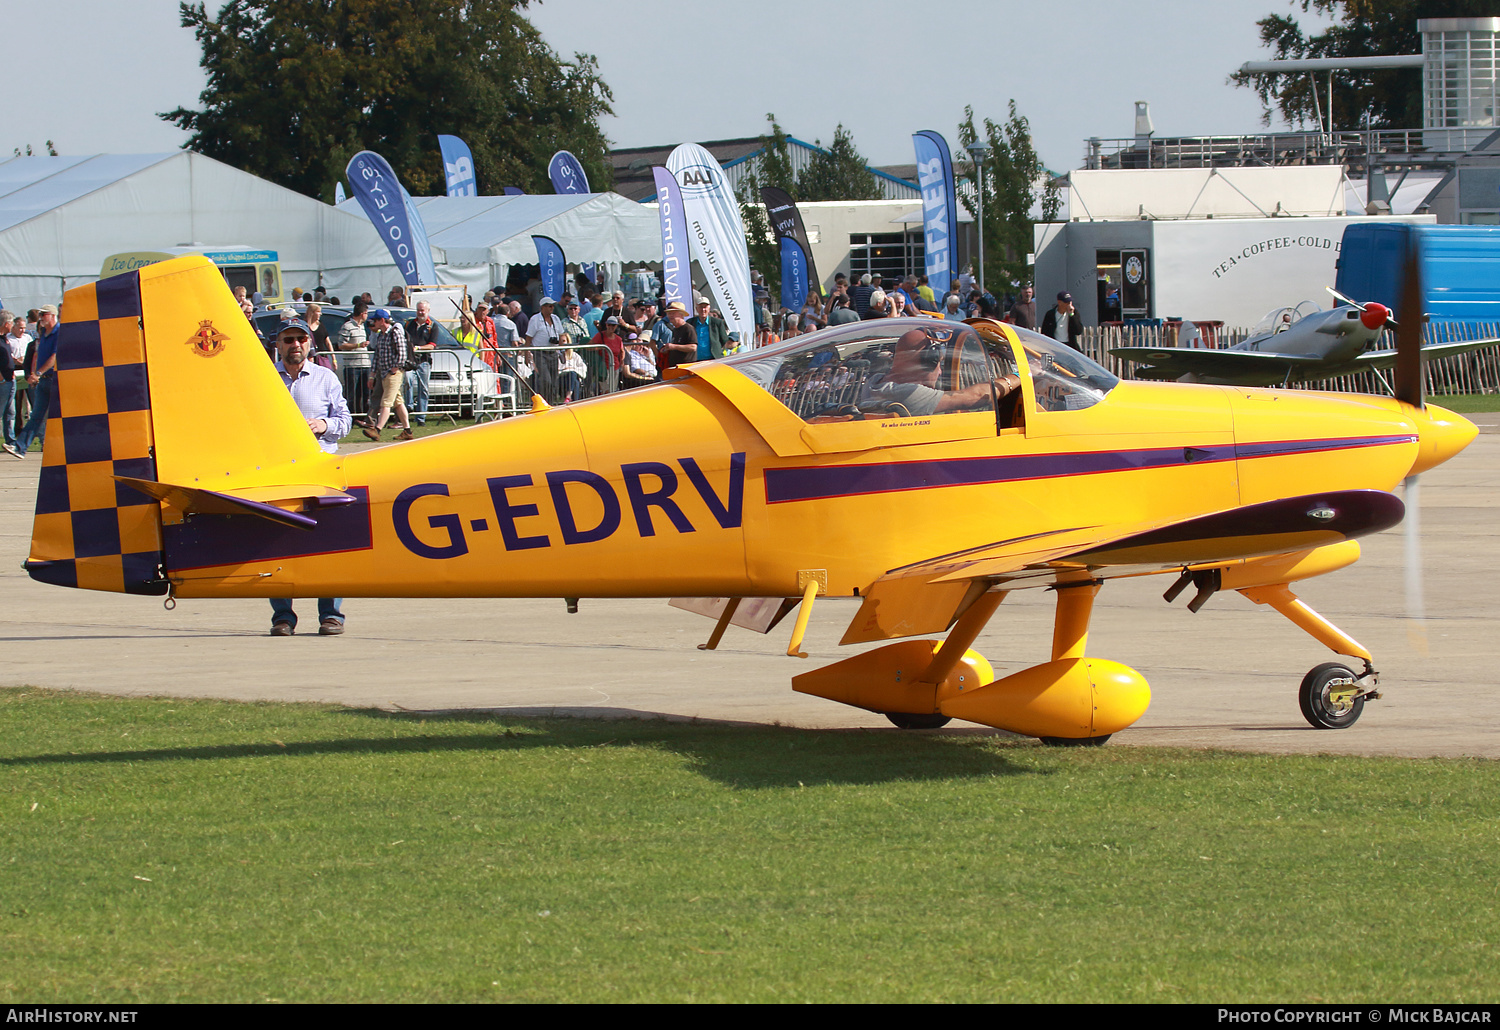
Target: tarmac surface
<point x="1224" y="678"/>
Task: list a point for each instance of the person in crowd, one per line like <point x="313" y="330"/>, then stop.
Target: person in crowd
<point x="789" y="326"/>
<point x="953" y="309"/>
<point x="397" y="297"/>
<point x="712" y="335"/>
<point x="572" y="372"/>
<point x="469" y="334"/>
<point x="367" y="298"/>
<point x="321" y="340"/>
<point x="7" y="387"/>
<point x="421" y="339"/>
<point x="320" y="398"/>
<point x="243" y="300"/>
<point x="388" y="341"/>
<point x="486" y="325"/>
<point x="41" y="375"/>
<point x="506" y="332"/>
<point x="877" y="305"/>
<point x="842" y="312"/>
<point x="352" y="336"/>
<point x="595" y="313"/>
<point x="683" y="346"/>
<point x="17" y="341"/>
<point x="1023" y="311"/>
<point x="811" y="315"/>
<point x="646" y="318"/>
<point x="1062" y="322"/>
<point x="639" y="365"/>
<point x="609" y="337"/>
<point x="545" y="329"/>
<point x="859" y="296"/>
<point x="573" y="323"/>
<point x="352" y="333"/>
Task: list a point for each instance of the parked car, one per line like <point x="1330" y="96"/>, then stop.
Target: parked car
<point x="458" y="374"/>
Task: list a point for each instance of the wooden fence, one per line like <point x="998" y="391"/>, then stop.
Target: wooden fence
<point x="1475" y="372"/>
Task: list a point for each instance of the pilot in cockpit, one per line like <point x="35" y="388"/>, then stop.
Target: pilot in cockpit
<point x="912" y="382"/>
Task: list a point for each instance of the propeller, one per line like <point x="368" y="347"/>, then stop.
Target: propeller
<point x="1408" y="390"/>
<point x="1373" y="315"/>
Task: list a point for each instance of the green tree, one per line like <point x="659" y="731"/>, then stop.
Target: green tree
<point x="774" y="169"/>
<point x="1015" y="180"/>
<point x="51" y="150"/>
<point x="839" y="173"/>
<point x="1380" y="98"/>
<point x="295" y="89"/>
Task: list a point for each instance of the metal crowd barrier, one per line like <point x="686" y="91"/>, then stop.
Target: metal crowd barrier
<point x="522" y="371"/>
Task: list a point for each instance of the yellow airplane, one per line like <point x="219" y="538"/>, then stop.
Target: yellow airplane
<point x="924" y="467"/>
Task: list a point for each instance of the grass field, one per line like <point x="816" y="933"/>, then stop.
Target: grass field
<point x="165" y="850"/>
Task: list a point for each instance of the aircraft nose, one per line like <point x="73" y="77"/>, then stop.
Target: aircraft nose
<point x="1442" y="434"/>
<point x="1374" y="315"/>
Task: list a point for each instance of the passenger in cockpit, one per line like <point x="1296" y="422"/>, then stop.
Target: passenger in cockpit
<point x="912" y="382"/>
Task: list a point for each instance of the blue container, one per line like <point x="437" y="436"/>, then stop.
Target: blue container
<point x="1460" y="268"/>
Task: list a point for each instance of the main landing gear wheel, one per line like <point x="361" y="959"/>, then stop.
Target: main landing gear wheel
<point x="913" y="721"/>
<point x="1075" y="741"/>
<point x="1330" y="697"/>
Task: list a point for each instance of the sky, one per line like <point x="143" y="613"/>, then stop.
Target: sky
<point x="699" y="71"/>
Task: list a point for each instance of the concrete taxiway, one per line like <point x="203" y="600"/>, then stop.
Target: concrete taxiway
<point x="1226" y="677"/>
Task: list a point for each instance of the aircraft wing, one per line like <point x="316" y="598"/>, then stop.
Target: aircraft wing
<point x="1172" y="362"/>
<point x="926" y="596"/>
<point x="1431" y="352"/>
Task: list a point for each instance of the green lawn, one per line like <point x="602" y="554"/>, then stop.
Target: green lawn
<point x="1465" y="403"/>
<point x="171" y="850"/>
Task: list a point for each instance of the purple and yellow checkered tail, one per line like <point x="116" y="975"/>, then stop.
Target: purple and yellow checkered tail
<point x="91" y="530"/>
<point x="164" y="405"/>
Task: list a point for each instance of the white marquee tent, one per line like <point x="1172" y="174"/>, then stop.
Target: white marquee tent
<point x="475" y="240"/>
<point x="61" y="216"/>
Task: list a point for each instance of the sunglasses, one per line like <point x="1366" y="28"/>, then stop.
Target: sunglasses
<point x="299" y="338"/>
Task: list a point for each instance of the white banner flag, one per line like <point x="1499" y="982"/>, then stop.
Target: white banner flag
<point x="716" y="234"/>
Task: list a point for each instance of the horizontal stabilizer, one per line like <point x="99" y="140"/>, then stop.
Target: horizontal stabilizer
<point x="261" y="501"/>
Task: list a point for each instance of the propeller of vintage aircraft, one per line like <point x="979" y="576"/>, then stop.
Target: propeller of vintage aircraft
<point x="1409" y="390"/>
<point x="1373" y="315"/>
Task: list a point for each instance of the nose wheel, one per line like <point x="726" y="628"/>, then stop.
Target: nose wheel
<point x="1332" y="696"/>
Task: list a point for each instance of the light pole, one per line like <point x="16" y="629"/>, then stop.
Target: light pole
<point x="979" y="151"/>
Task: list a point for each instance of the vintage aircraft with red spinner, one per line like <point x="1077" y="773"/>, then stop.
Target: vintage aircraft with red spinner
<point x="924" y="467"/>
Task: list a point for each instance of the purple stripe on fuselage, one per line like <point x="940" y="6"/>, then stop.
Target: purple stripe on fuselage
<point x="809" y="483"/>
<point x="204" y="541"/>
<point x="1275" y="448"/>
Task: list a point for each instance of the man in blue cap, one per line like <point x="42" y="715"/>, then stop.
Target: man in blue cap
<point x="320" y="398"/>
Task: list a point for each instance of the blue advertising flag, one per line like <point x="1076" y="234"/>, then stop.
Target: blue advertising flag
<point x="514" y="191"/>
<point x="794" y="279"/>
<point x="338" y="194"/>
<point x="554" y="267"/>
<point x="390" y="207"/>
<point x="939" y="209"/>
<point x="458" y="167"/>
<point x="675" y="263"/>
<point x="566" y="174"/>
<point x="590" y="270"/>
